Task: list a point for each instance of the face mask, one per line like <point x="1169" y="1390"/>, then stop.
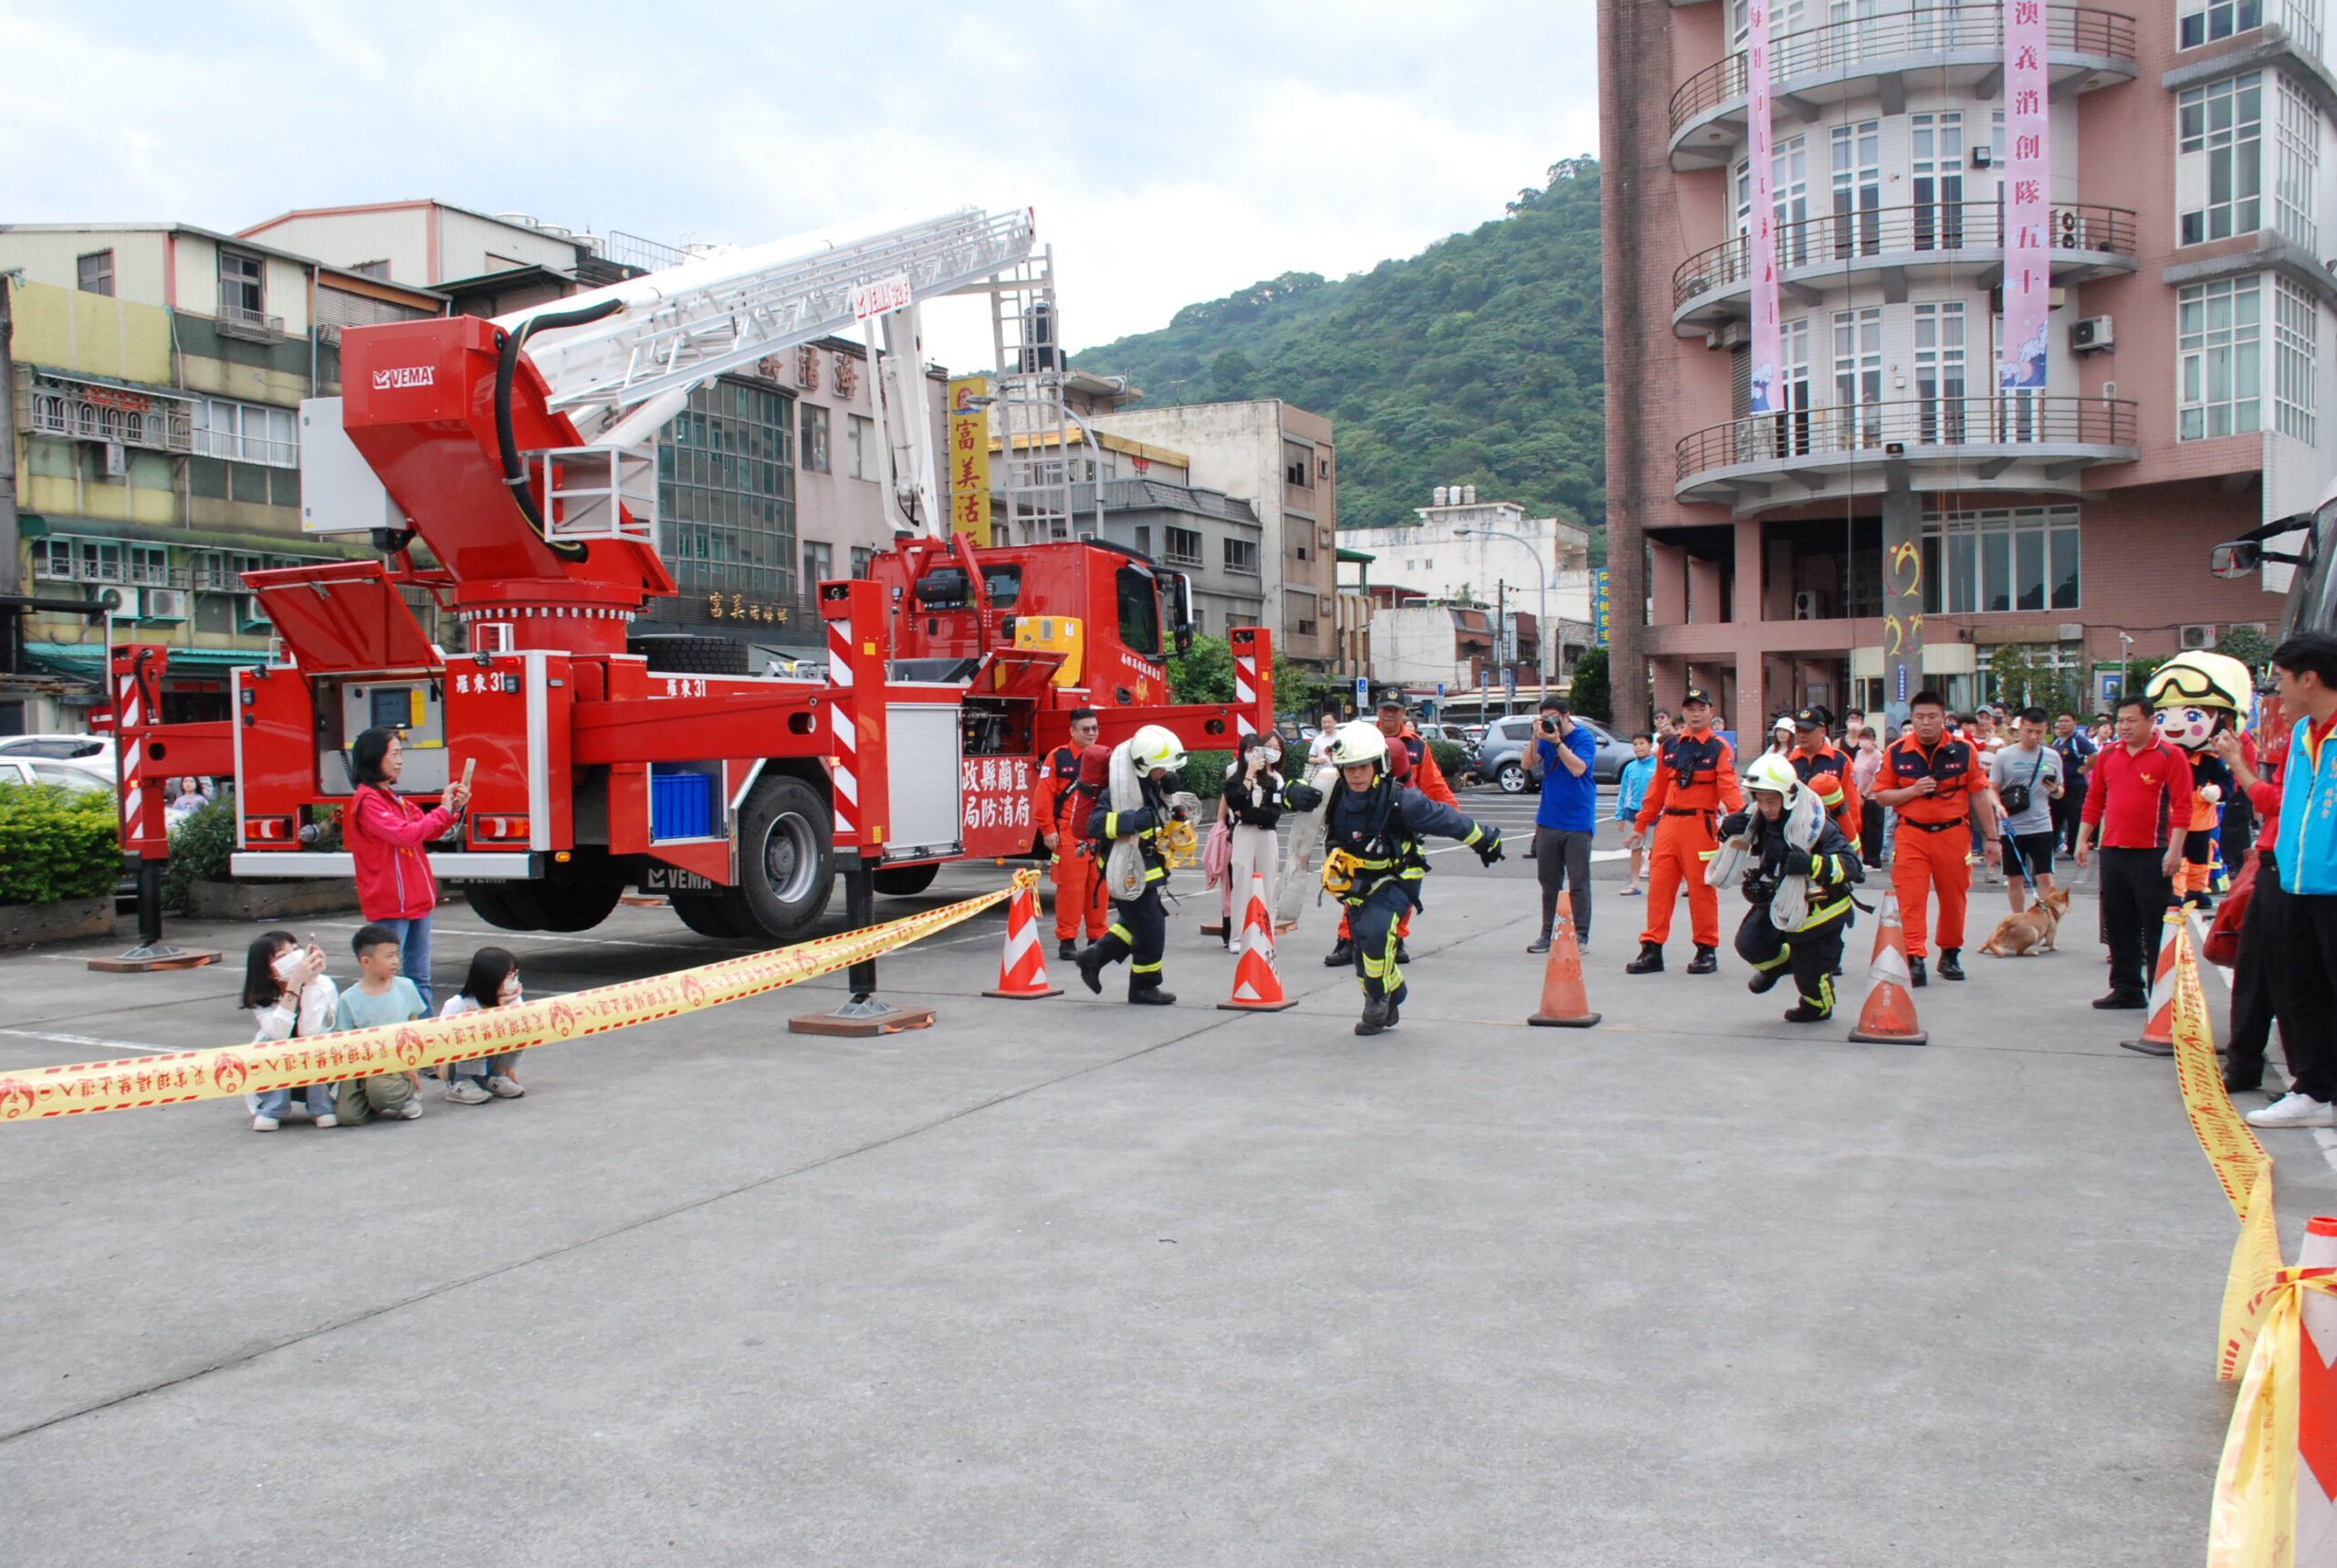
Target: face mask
<point x="509" y="990"/>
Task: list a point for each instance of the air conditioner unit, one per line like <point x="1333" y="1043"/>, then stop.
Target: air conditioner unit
<point x="2197" y="636"/>
<point x="2091" y="335"/>
<point x="2069" y="229"/>
<point x="117" y="601"/>
<point x="1807" y="605"/>
<point x="1982" y="155"/>
<point x="249" y="617"/>
<point x="164" y="603"/>
<point x="1735" y="335"/>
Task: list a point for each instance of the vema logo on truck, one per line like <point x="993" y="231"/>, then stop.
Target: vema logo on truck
<point x="406" y="376"/>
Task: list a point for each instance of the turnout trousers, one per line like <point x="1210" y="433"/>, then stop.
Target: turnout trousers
<point x="1815" y="953"/>
<point x="1923" y="863"/>
<point x="1138" y="932"/>
<point x="1677" y="856"/>
<point x="1376" y="925"/>
<point x="1079" y="891"/>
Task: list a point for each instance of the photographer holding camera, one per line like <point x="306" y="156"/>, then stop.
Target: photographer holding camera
<point x="1567" y="819"/>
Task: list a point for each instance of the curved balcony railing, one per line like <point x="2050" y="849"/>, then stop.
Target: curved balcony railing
<point x="1872" y="429"/>
<point x="1924" y="229"/>
<point x="1843" y="47"/>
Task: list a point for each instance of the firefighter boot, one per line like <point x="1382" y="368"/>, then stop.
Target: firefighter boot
<point x="1705" y="962"/>
<point x="1915" y="972"/>
<point x="1803" y="1012"/>
<point x="1765" y="980"/>
<point x="1151" y="996"/>
<point x="1090" y="961"/>
<point x="1376" y="1015"/>
<point x="1067" y="948"/>
<point x="1341" y="957"/>
<point x="1950" y="962"/>
<point x="1649" y="962"/>
<point x="1403" y="953"/>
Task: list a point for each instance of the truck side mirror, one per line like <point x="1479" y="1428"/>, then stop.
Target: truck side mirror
<point x="2236" y="560"/>
<point x="1184" y="639"/>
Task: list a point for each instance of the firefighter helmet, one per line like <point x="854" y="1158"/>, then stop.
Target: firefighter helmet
<point x="1153" y="746"/>
<point x="1773" y="774"/>
<point x="1357" y="741"/>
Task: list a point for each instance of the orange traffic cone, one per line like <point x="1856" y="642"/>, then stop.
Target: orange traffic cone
<point x="2158" y="1035"/>
<point x="1565" y="1004"/>
<point x="1256" y="987"/>
<point x="1889" y="1016"/>
<point x="2316" y="1531"/>
<point x="1023" y="967"/>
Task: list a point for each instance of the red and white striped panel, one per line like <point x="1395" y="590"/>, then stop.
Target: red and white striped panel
<point x="130" y="724"/>
<point x="1245" y="690"/>
<point x="846" y="772"/>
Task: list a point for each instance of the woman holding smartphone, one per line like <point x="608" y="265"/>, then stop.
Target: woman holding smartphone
<point x="385" y="832"/>
<point x="1251" y="806"/>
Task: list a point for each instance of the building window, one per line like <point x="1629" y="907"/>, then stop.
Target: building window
<point x="247" y="433"/>
<point x="2296" y="163"/>
<point x="726" y="500"/>
<point x="2296" y="356"/>
<point x="818" y="564"/>
<point x="2204" y="21"/>
<point x="2218" y="349"/>
<point x="148" y="566"/>
<point x="862" y="560"/>
<point x="1993" y="561"/>
<point x="1182" y="546"/>
<point x="1242" y="556"/>
<point x="860" y="447"/>
<point x="812" y="447"/>
<point x="2220" y="158"/>
<point x="94" y="273"/>
<point x="243" y="286"/>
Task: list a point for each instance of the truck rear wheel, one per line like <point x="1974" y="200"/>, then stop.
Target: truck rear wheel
<point x="576" y="906"/>
<point x="787" y="866"/>
<point x="510" y="905"/>
<point x="907" y="881"/>
<point x="720" y="915"/>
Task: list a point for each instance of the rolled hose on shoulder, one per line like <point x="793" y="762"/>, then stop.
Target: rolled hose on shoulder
<point x="506" y="442"/>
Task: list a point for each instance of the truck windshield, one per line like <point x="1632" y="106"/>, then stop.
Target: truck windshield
<point x="2312" y="597"/>
<point x="1139" y="611"/>
<point x="945" y="588"/>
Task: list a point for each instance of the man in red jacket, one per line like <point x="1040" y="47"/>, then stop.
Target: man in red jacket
<point x="1053" y="794"/>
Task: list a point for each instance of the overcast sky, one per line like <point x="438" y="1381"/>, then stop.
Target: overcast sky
<point x="1173" y="152"/>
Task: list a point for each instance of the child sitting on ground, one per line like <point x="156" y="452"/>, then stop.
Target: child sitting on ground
<point x="493" y="982"/>
<point x="286" y="993"/>
<point x="381" y="995"/>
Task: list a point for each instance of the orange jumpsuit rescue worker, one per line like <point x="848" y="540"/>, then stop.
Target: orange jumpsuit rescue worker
<point x="1696" y="780"/>
<point x="1935" y="781"/>
<point x="1054" y="796"/>
<point x="1826" y="768"/>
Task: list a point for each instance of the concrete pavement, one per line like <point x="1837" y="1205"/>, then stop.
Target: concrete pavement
<point x="1068" y="1281"/>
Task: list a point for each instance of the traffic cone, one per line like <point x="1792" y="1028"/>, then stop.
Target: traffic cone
<point x="1565" y="1004"/>
<point x="1022" y="967"/>
<point x="1256" y="987"/>
<point x="1889" y="1016"/>
<point x="2316" y="1534"/>
<point x="2158" y="1035"/>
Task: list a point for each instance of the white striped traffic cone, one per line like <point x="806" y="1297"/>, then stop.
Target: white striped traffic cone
<point x="1256" y="987"/>
<point x="1022" y="967"/>
<point x="2158" y="1034"/>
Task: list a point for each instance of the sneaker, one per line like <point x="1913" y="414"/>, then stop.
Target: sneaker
<point x="409" y="1110"/>
<point x="467" y="1092"/>
<point x="1539" y="944"/>
<point x="1705" y="962"/>
<point x="505" y="1088"/>
<point x="328" y="1120"/>
<point x="263" y="1123"/>
<point x="2295" y="1110"/>
<point x="1339" y="956"/>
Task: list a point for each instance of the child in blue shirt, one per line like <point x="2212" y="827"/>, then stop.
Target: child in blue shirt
<point x="381" y="995"/>
<point x="1630" y="794"/>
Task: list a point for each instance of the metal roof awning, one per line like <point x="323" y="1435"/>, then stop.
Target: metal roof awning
<point x="142" y="389"/>
<point x="89" y="658"/>
<point x="36" y="526"/>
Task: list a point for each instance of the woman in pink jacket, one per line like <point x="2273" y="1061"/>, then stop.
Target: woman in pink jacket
<point x="385" y="833"/>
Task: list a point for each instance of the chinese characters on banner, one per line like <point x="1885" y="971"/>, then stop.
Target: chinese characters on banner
<point x="970" y="458"/>
<point x="1762" y="261"/>
<point x="2028" y="211"/>
<point x="996" y="791"/>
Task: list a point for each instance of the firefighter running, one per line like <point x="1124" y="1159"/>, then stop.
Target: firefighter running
<point x="1125" y="824"/>
<point x="1935" y="782"/>
<point x="1412" y="764"/>
<point x="1695" y="776"/>
<point x="1799" y="870"/>
<point x="1372" y="829"/>
<point x="1060" y="811"/>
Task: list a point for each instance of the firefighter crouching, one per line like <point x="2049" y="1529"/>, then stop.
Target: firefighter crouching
<point x="1126" y="840"/>
<point x="1798" y="869"/>
<point x="1372" y="829"/>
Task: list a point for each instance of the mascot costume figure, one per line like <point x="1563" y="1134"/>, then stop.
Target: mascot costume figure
<point x="2197" y="697"/>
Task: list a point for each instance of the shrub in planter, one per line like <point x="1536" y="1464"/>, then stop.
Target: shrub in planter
<point x="199" y="853"/>
<point x="1205" y="773"/>
<point x="1452" y="758"/>
<point x="56" y="846"/>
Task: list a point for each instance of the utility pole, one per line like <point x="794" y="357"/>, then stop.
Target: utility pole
<point x="1501" y="639"/>
<point x="11" y="565"/>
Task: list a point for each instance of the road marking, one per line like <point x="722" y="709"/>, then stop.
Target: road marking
<point x="116" y="1047"/>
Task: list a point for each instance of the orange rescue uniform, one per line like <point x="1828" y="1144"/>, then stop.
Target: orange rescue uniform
<point x="1695" y="781"/>
<point x="1054" y="795"/>
<point x="1932" y="848"/>
<point x="1827" y="771"/>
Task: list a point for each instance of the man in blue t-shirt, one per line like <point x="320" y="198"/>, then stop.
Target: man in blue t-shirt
<point x="1567" y="819"/>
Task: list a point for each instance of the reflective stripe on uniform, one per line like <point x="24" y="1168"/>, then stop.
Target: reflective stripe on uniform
<point x="1145" y="968"/>
<point x="1122" y="931"/>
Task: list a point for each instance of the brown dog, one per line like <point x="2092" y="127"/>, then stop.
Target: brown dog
<point x="2030" y="931"/>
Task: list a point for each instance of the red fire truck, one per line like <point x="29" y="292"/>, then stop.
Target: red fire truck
<point x="515" y="451"/>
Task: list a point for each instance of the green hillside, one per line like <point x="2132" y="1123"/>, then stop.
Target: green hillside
<point x="1474" y="362"/>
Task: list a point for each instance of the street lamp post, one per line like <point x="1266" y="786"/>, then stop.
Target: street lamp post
<point x="1541" y="599"/>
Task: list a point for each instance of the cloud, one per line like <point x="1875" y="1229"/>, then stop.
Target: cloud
<point x="1172" y="154"/>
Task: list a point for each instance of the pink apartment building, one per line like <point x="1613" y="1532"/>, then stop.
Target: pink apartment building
<point x="2189" y="338"/>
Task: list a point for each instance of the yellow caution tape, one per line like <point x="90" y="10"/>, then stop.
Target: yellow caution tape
<point x="84" y="1088"/>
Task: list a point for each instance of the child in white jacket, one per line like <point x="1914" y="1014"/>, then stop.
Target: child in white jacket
<point x="287" y="994"/>
<point x="493" y="982"/>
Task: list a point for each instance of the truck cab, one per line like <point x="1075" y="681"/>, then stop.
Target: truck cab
<point x="2307" y="542"/>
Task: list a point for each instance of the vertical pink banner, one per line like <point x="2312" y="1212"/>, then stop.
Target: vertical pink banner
<point x="2027" y="209"/>
<point x="1762" y="221"/>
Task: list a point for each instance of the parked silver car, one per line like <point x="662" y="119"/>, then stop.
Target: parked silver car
<point x="1507" y="756"/>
